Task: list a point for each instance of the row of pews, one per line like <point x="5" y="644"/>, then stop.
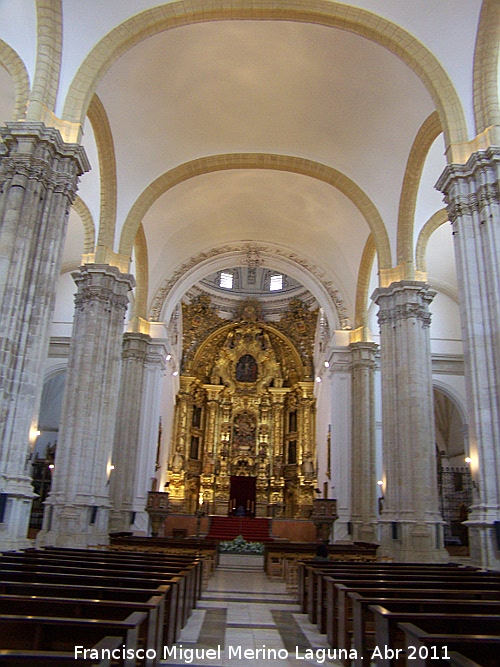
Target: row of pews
<point x="394" y="614"/>
<point x="120" y="607"/>
<point x="281" y="559"/>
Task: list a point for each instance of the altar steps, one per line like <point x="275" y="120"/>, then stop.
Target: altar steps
<point x="229" y="527"/>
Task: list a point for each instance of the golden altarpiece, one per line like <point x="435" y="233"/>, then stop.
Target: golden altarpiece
<point x="244" y="430"/>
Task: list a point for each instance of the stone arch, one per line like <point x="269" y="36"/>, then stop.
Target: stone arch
<point x="428" y="132"/>
<point x="88" y="224"/>
<point x="288" y="163"/>
<point x="14" y="66"/>
<point x="48" y="61"/>
<point x="435" y="221"/>
<point x="107" y="168"/>
<point x="217" y="258"/>
<point x="363" y="284"/>
<point x="486" y="84"/>
<point x="361" y="22"/>
<point x="141" y="275"/>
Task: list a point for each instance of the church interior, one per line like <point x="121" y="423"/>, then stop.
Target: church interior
<point x="249" y="267"/>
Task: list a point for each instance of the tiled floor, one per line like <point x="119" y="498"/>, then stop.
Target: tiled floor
<point x="243" y="611"/>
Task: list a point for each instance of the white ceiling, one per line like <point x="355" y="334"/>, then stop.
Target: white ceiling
<point x="273" y="87"/>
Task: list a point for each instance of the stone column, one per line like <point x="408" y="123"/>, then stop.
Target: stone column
<point x="472" y="194"/>
<point x="341" y="439"/>
<point x="136" y="431"/>
<point x="364" y="480"/>
<point x="411" y="526"/>
<point x="77" y="509"/>
<point x="38" y="183"/>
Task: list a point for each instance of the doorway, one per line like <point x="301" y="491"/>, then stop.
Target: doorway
<point x="242" y="496"/>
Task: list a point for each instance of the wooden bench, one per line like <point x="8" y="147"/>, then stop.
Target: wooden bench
<point x="482" y="648"/>
<point x="154" y="601"/>
<point x="339" y="610"/>
<point x="310" y="573"/>
<point x="150" y="636"/>
<point x="316" y="598"/>
<point x="42" y="633"/>
<point x="389" y="634"/>
<point x="82" y="578"/>
<point x="191" y="567"/>
<point x="409" y="580"/>
<point x="25" y="658"/>
<point x="363" y="636"/>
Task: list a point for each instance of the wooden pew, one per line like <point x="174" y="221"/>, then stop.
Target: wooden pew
<point x="192" y="568"/>
<point x="482" y="648"/>
<point x="409" y="580"/>
<point x="153" y="601"/>
<point x="363" y="623"/>
<point x="84" y="578"/>
<point x="149" y="636"/>
<point x="388" y="633"/>
<point x="339" y="610"/>
<point x="316" y="598"/>
<point x="134" y="558"/>
<point x="25" y="658"/>
<point x="42" y="633"/>
<point x="309" y="572"/>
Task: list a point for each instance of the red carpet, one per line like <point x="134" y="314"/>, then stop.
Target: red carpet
<point x="229" y="527"/>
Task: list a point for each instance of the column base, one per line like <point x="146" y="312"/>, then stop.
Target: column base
<point x="18" y="496"/>
<point x="136" y="521"/>
<point x="364" y="532"/>
<point x="78" y="526"/>
<point x="412" y="542"/>
<point x="484" y="537"/>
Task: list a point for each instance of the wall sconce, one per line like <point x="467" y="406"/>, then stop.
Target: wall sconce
<point x="468" y="459"/>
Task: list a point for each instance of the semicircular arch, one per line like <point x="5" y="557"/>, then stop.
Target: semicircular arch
<point x="280" y="259"/>
<point x="14" y="66"/>
<point x="333" y="14"/>
<point x="287" y="163"/>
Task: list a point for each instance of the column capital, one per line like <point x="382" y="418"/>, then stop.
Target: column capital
<point x="363" y="354"/>
<point x="31" y="144"/>
<point x="472" y="187"/>
<point x="404" y="300"/>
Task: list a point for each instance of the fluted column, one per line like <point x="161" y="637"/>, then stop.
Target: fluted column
<point x="364" y="480"/>
<point x="38" y="182"/>
<point x="472" y="193"/>
<point x="136" y="431"/>
<point x="78" y="506"/>
<point x="411" y="526"/>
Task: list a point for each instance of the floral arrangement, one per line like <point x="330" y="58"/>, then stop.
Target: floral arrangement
<point x="240" y="546"/>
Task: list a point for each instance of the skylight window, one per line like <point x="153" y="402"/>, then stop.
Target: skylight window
<point x="276" y="282"/>
<point x="226" y="280"/>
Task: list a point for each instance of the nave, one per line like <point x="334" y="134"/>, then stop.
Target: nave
<point x="242" y="609"/>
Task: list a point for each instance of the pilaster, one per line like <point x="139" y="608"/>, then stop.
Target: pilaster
<point x="38" y="182"/>
<point x="364" y="480"/>
<point x="472" y="195"/>
<point x="341" y="439"/>
<point x="78" y="506"/>
<point x="410" y="524"/>
<point x="136" y="431"/>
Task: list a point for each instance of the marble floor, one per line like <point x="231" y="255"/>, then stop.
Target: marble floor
<point x="245" y="619"/>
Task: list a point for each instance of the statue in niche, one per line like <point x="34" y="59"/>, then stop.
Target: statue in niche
<point x="178" y="460"/>
<point x="308" y="467"/>
<point x="246" y="369"/>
